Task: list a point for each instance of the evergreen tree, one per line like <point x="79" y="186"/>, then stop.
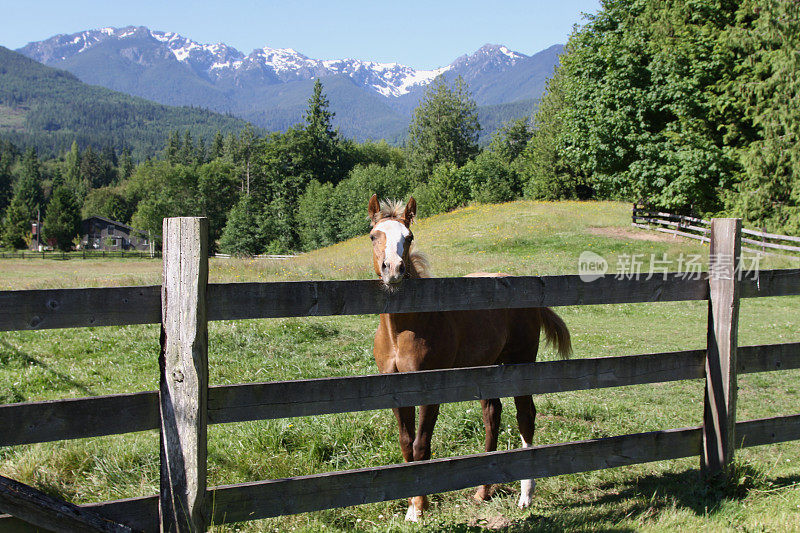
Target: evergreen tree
<point x="511" y="139"/>
<point x="125" y="164"/>
<point x="72" y="168"/>
<point x="173" y="150"/>
<point x="245" y="147"/>
<point x="16" y="228"/>
<point x="200" y="152"/>
<point x="62" y="222"/>
<point x="93" y="169"/>
<point x="443" y="129"/>
<point x="6" y="179"/>
<point x="28" y="186"/>
<point x="187" y="151"/>
<point x="766" y="89"/>
<point x="242" y="234"/>
<point x="324" y="153"/>
<point x="217" y="147"/>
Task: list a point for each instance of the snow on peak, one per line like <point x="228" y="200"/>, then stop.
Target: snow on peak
<point x="219" y="60"/>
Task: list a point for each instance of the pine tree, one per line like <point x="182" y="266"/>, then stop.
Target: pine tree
<point x="187" y="153"/>
<point x="242" y="234"/>
<point x="28" y="187"/>
<point x="125" y="164"/>
<point x="218" y="146"/>
<point x="444" y="128"/>
<point x="63" y="219"/>
<point x="324" y="153"/>
<point x="16" y="224"/>
<point x="173" y="148"/>
<point x="72" y="167"/>
<point x="6" y="178"/>
<point x="245" y="147"/>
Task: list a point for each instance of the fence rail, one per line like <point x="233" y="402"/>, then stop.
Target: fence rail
<point x="81" y="254"/>
<point x="124" y="306"/>
<point x="188" y="302"/>
<point x="699" y="229"/>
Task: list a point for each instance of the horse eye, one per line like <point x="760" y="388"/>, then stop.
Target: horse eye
<point x="372" y="237"/>
<point x="410" y="238"/>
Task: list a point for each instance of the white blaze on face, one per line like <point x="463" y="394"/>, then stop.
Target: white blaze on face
<point x="396" y="234"/>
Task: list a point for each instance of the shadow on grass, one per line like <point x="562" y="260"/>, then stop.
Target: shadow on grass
<point x="9" y="354"/>
<point x="636" y="499"/>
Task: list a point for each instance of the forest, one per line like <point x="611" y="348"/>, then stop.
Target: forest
<point x="689" y="106"/>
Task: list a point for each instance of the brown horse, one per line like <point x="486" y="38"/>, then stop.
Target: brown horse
<point x="407" y="342"/>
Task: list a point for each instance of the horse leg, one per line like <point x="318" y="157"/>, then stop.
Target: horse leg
<point x="422" y="452"/>
<point x="405" y="423"/>
<point x="491" y="423"/>
<point x="526" y="415"/>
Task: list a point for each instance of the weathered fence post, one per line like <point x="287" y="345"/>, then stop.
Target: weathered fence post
<point x="184" y="375"/>
<point x="719" y="415"/>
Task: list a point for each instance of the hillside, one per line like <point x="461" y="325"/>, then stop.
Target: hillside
<point x="51" y="108"/>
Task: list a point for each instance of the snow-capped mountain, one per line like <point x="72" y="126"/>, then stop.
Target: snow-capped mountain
<point x="220" y="61"/>
<point x="270" y="86"/>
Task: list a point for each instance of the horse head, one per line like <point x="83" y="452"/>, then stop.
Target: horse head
<point x="391" y="239"/>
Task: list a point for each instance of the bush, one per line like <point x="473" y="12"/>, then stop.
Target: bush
<point x="315" y="217"/>
<point x="446" y="189"/>
<point x="490" y="179"/>
<point x="349" y="206"/>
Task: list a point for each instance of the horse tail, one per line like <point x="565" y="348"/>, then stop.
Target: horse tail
<point x="556" y="332"/>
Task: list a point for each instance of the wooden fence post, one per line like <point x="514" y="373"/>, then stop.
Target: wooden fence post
<point x="184" y="375"/>
<point x="719" y="413"/>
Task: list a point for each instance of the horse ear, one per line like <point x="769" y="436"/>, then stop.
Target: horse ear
<point x="374" y="209"/>
<point x="411" y="211"/>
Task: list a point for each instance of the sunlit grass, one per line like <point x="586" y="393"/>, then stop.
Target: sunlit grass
<point x="519" y="238"/>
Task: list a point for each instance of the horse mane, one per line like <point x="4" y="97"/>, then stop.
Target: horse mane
<point x="395" y="209"/>
<point x="420" y="266"/>
<point x="392" y="209"/>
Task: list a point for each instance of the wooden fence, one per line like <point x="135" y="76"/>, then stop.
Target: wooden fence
<point x="700" y="229"/>
<point x="186" y="404"/>
<point x="82" y="254"/>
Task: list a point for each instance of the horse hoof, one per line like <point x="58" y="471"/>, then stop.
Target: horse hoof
<point x="482" y="494"/>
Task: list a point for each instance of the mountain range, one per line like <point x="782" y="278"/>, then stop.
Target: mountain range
<point x="270" y="87"/>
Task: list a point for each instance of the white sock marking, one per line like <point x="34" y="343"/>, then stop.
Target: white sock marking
<point x="526" y="485"/>
<point x="412" y="515"/>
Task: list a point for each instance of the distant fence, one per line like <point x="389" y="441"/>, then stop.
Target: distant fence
<point x="95" y="254"/>
<point x="80" y="254"/>
<point x="700" y="229"/>
<point x="186" y="404"/>
<point x="261" y="256"/>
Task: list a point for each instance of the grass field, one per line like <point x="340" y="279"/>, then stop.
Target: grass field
<point x="519" y="238"/>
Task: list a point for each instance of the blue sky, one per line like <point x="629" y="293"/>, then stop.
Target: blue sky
<point x="423" y="34"/>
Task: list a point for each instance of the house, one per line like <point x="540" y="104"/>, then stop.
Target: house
<point x="100" y="233"/>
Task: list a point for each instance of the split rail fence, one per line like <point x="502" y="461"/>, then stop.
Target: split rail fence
<point x="700" y="229"/>
<point x="186" y="404"/>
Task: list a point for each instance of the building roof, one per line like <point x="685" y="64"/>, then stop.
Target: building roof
<point x="115" y="222"/>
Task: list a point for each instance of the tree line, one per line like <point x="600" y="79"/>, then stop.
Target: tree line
<point x="688" y="106"/>
<point x="291" y="191"/>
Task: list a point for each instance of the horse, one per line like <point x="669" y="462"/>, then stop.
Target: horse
<point x="408" y="342"/>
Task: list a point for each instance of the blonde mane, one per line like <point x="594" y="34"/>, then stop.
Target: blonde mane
<point x="392" y="209"/>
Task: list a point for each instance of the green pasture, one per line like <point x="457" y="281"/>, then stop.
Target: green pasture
<point x="519" y="238"/>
